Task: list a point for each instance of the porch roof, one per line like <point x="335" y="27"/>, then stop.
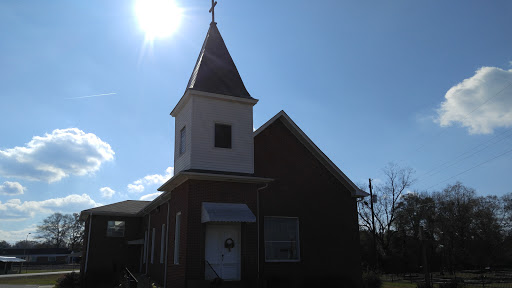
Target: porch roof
<point x="128" y="208"/>
<point x="226" y="212"/>
<point x="6" y="259"/>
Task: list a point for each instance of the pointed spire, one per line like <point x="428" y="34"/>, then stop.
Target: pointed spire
<point x="215" y="71"/>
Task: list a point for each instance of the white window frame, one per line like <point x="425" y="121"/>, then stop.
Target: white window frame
<point x="162" y="244"/>
<point x="153" y="246"/>
<point x="109" y="229"/>
<point x="177" y="235"/>
<point x="297" y="244"/>
<point x="183" y="140"/>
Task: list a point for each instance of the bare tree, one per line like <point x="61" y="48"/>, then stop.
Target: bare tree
<point x="4" y="244"/>
<point x="76" y="233"/>
<point x="397" y="180"/>
<point x="55" y="229"/>
<point x="507" y="212"/>
<point x="463" y="230"/>
<point x="22" y="244"/>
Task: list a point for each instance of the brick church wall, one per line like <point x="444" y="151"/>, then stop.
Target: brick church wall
<point x="187" y="199"/>
<point x="158" y="217"/>
<point x="221" y="192"/>
<point x="304" y="188"/>
<point x="109" y="255"/>
<point x="176" y="273"/>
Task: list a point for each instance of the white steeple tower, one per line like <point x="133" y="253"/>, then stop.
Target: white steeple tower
<point x="213" y="119"/>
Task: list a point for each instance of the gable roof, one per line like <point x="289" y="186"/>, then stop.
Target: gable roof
<point x="306" y="141"/>
<point x="124" y="208"/>
<point x="215" y="71"/>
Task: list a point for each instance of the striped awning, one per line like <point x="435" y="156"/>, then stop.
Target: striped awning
<point x="226" y="212"/>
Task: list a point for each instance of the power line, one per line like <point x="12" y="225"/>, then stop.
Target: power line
<point x="476" y="152"/>
<point x="428" y="173"/>
<point x="431" y="139"/>
<point x="499" y="92"/>
<point x="427" y="142"/>
<point x="502" y="154"/>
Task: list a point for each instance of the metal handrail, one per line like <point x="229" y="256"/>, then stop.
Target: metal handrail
<point x="212" y="269"/>
<point x="130" y="275"/>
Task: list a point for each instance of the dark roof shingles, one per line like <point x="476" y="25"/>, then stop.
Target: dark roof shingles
<point x="127" y="207"/>
<point x="215" y="71"/>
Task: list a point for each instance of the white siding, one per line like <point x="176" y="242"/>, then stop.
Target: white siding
<point x="183" y="119"/>
<point x="206" y="112"/>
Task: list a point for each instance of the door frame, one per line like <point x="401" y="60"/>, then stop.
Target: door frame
<point x="238" y="247"/>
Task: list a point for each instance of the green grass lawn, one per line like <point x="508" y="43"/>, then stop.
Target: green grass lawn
<point x="32" y="280"/>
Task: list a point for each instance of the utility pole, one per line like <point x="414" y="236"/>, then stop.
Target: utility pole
<point x="424" y="256"/>
<point x="373" y="225"/>
<point x="25" y="251"/>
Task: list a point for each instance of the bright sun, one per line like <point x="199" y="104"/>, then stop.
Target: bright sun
<point x="158" y="18"/>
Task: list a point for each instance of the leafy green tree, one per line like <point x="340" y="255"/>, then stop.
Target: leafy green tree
<point x="456" y="212"/>
<point x="460" y="229"/>
<point x="463" y="230"/>
<point x="414" y="213"/>
<point x="486" y="232"/>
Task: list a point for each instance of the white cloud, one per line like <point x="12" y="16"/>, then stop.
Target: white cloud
<point x="15" y="210"/>
<point x="150" y="197"/>
<point x="107" y="192"/>
<point x="54" y="156"/>
<point x="11" y="188"/>
<point x="17" y="235"/>
<point x="138" y="186"/>
<point x="135" y="188"/>
<point x="464" y="102"/>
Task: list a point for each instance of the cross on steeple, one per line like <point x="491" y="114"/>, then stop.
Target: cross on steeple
<point x="212" y="10"/>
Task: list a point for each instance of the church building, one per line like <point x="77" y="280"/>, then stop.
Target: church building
<point x="264" y="208"/>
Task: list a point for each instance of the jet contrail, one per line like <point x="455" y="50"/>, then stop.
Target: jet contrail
<point x="89" y="96"/>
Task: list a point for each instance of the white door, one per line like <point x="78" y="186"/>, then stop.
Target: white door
<point x="224" y="260"/>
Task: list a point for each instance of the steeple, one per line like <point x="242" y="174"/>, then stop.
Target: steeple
<point x="213" y="126"/>
<point x="215" y="71"/>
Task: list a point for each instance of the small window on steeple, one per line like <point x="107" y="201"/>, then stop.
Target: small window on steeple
<point x="222" y="136"/>
<point x="183" y="136"/>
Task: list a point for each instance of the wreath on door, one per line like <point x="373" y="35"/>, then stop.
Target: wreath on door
<point x="229" y="243"/>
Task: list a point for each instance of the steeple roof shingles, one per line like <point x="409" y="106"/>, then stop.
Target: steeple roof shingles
<point x="215" y="71"/>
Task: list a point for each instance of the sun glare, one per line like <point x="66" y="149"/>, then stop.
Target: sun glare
<point x="157" y="18"/>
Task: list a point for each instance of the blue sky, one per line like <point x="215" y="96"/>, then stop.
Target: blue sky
<point x="411" y="82"/>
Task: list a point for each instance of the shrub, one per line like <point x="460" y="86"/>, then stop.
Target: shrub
<point x="371" y="280"/>
<point x="71" y="280"/>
